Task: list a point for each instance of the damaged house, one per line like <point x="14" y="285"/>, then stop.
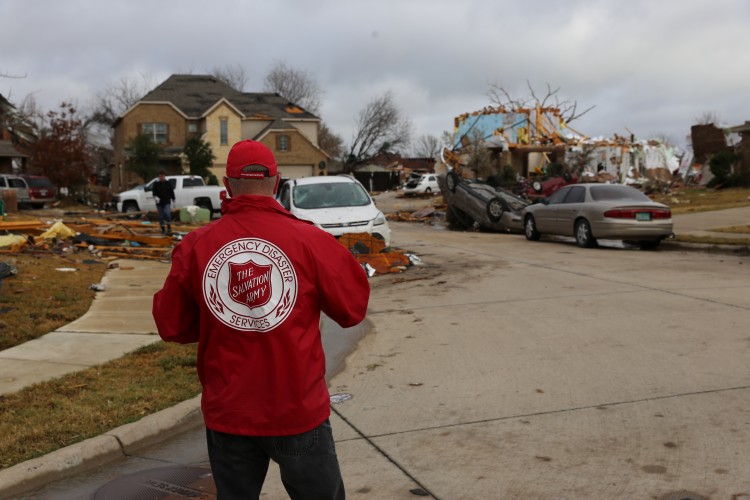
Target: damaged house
<point x="529" y="139"/>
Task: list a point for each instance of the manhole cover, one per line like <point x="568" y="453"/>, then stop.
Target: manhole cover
<point x="172" y="482"/>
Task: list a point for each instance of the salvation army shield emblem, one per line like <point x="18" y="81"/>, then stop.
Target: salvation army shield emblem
<point x="250" y="284"/>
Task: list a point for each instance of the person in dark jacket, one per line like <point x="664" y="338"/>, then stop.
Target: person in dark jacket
<point x="164" y="196"/>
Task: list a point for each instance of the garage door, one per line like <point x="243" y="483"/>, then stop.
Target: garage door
<point x="295" y="171"/>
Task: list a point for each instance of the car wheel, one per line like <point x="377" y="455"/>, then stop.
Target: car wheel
<point x="495" y="209"/>
<point x="452" y="180"/>
<point x="583" y="234"/>
<point x="428" y="190"/>
<point x="537" y="186"/>
<point x="649" y="244"/>
<point x="130" y="208"/>
<point x="530" y="230"/>
<point x="205" y="204"/>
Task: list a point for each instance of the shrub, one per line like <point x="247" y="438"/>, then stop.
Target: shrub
<point x="720" y="165"/>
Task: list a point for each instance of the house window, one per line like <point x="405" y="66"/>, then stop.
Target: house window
<point x="283" y="143"/>
<point x="192" y="128"/>
<point x="224" y="131"/>
<point x="158" y="132"/>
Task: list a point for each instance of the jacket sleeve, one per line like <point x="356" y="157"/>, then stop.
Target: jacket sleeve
<point x="342" y="285"/>
<point x="175" y="310"/>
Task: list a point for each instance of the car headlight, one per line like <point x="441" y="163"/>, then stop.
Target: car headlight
<point x="379" y="220"/>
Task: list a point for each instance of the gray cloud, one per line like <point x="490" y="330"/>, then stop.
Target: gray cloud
<point x="649" y="67"/>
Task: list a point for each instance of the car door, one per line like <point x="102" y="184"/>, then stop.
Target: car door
<point x="546" y="215"/>
<point x="566" y="212"/>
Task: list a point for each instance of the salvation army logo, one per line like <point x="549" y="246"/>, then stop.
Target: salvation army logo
<point x="250" y="285"/>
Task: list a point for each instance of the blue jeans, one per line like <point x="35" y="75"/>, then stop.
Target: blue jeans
<point x="165" y="214"/>
<point x="307" y="462"/>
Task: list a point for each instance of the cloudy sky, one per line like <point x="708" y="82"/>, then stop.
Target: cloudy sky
<point x="652" y="67"/>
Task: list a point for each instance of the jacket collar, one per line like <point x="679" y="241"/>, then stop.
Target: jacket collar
<point x="251" y="202"/>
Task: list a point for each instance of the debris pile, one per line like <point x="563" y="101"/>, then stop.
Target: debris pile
<point x="102" y="238"/>
<point x="425" y="214"/>
<point x="109" y="240"/>
<point x="373" y="255"/>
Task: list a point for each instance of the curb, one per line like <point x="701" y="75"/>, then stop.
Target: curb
<point x="712" y="248"/>
<point x="94" y="452"/>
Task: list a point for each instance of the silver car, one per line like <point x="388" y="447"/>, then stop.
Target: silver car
<point x="589" y="212"/>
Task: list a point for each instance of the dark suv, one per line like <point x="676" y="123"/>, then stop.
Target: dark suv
<point x="41" y="190"/>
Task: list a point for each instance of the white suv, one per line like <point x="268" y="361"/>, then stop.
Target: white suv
<point x="337" y="204"/>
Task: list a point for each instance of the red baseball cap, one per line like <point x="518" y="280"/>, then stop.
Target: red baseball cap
<point x="246" y="153"/>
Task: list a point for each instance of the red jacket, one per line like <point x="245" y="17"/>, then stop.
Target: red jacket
<point x="249" y="288"/>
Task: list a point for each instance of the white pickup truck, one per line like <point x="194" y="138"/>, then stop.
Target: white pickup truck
<point x="188" y="190"/>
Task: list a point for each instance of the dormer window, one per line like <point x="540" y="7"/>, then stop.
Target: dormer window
<point x="283" y="143"/>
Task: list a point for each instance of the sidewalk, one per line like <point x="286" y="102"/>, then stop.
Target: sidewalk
<point x="120" y="321"/>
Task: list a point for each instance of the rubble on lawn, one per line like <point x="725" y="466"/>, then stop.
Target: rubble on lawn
<point x="109" y="239"/>
<point x="104" y="238"/>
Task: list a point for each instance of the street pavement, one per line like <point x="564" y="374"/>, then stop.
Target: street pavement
<point x="387" y="432"/>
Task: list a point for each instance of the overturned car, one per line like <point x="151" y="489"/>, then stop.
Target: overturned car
<point x="473" y="203"/>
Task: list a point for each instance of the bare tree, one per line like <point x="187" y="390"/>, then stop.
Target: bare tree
<point x="380" y="127"/>
<point x="426" y="146"/>
<point x="499" y="96"/>
<point x="480" y="160"/>
<point x="330" y="142"/>
<point x="294" y="85"/>
<point x="233" y="75"/>
<point x="27" y="116"/>
<point x="3" y="74"/>
<point x="707" y="118"/>
<point x="117" y="97"/>
<point x="665" y="138"/>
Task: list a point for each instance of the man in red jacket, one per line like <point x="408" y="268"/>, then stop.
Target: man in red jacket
<point x="250" y="288"/>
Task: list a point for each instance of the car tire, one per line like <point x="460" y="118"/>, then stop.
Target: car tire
<point x="537" y="186"/>
<point x="584" y="238"/>
<point x="204" y="203"/>
<point x="428" y="190"/>
<point x="530" y="230"/>
<point x="130" y="208"/>
<point x="452" y="180"/>
<point x="495" y="208"/>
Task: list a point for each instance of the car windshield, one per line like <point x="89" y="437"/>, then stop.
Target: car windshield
<point x="613" y="192"/>
<point x="39" y="182"/>
<point x="330" y="195"/>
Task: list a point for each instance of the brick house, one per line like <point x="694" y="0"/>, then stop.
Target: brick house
<point x="187" y="106"/>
